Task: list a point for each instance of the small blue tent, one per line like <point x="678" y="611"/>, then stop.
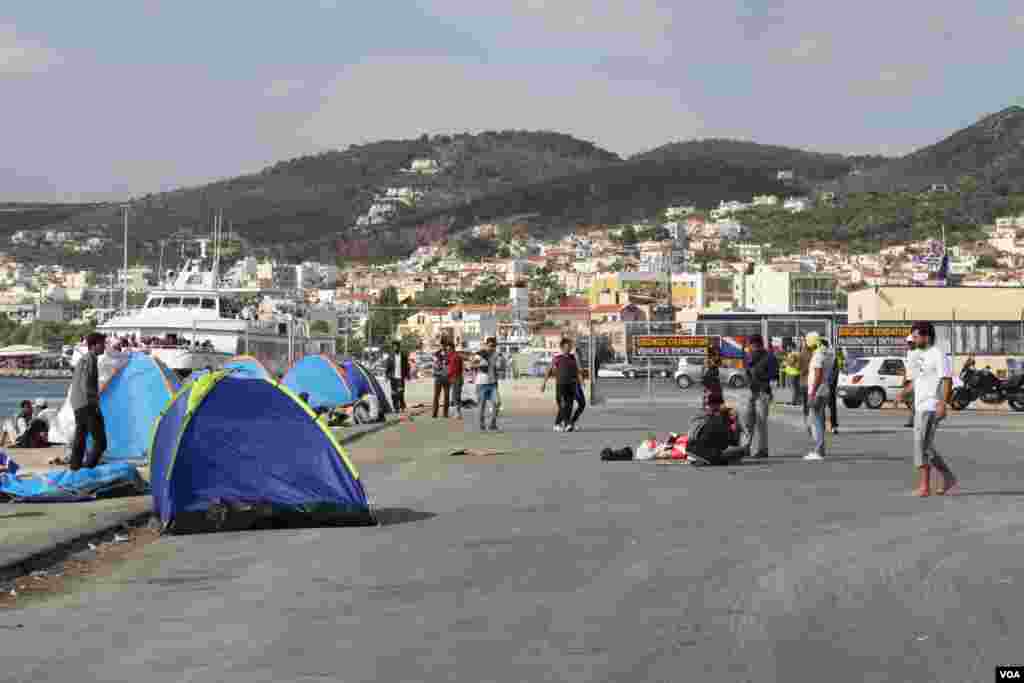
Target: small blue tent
<point x="248" y="367"/>
<point x="235" y="453"/>
<point x="323" y="380"/>
<point x="131" y="402"/>
<point x="363" y="382"/>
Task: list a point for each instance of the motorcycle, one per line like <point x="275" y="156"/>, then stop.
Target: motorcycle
<point x="986" y="387"/>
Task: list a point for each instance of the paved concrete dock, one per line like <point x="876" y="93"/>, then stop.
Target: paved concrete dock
<point x="543" y="563"/>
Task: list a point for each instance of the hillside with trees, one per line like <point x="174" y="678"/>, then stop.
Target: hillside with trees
<point x="307" y="206"/>
<point x="866" y="221"/>
<point x="988" y="154"/>
<point x="807" y="166"/>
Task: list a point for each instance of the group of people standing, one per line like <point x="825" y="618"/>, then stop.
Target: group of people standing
<point x="449" y="370"/>
<point x="816" y="369"/>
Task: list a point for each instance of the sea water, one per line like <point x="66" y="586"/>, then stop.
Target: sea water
<point x="14" y="390"/>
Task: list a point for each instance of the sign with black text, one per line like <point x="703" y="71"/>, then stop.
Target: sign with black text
<point x="889" y="336"/>
<point x="672" y="345"/>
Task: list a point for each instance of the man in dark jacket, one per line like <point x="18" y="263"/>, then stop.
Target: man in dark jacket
<point x="85" y="402"/>
<point x="760" y="368"/>
<point x="397" y="370"/>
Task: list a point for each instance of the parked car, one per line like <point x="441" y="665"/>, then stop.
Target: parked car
<point x="690" y="371"/>
<point x="635" y="370"/>
<point x="871" y="381"/>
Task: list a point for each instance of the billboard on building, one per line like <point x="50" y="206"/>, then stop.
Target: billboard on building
<point x="672" y="345"/>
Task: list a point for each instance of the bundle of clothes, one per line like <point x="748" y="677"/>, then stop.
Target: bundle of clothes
<point x="714" y="438"/>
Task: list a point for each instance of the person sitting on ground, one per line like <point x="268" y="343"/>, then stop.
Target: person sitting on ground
<point x="715" y="437"/>
<point x="31" y="431"/>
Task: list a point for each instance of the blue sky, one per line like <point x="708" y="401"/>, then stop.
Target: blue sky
<point x="105" y="100"/>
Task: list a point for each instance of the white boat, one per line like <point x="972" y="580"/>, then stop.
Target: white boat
<point x="194" y="324"/>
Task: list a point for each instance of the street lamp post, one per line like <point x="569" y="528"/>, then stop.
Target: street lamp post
<point x="124" y="303"/>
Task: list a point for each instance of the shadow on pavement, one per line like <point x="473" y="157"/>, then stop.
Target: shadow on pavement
<point x="866" y="457"/>
<point x="393" y="516"/>
<point x="15" y="515"/>
<point x="961" y="494"/>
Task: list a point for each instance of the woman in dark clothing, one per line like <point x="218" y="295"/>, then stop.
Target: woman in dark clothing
<point x="712" y="380"/>
<point x="718" y="442"/>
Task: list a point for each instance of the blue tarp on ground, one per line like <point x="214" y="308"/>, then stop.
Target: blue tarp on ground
<point x="131" y="402"/>
<point x="65" y="486"/>
<point x="248" y="367"/>
<point x="233" y="453"/>
<point x="321" y="378"/>
<point x="363" y="382"/>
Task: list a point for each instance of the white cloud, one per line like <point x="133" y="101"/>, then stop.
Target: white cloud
<point x="901" y="80"/>
<point x="437" y="95"/>
<point x="807" y="49"/>
<point x="614" y="26"/>
<point x="283" y="88"/>
<point x="21" y="56"/>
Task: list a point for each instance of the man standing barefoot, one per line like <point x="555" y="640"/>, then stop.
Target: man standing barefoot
<point x="933" y="388"/>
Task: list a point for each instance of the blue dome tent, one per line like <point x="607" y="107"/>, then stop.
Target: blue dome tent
<point x="131" y="402"/>
<point x="323" y="380"/>
<point x="231" y="453"/>
<point x="248" y="367"/>
<point x="364" y="382"/>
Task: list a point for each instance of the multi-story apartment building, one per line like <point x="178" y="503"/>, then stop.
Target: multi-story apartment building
<point x="769" y="290"/>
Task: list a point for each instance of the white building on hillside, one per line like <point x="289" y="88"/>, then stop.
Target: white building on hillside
<point x="797" y="204"/>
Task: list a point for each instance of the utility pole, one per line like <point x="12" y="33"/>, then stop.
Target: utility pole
<point x="124" y="303"/>
<point x="160" y="271"/>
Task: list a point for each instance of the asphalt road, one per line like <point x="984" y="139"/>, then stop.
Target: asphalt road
<point x="565" y="568"/>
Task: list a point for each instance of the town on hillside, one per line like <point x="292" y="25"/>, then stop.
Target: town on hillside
<point x="496" y="279"/>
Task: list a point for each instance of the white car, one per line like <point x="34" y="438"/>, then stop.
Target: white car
<point x="871" y="381"/>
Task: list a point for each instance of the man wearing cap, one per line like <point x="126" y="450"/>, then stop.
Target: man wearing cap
<point x="908" y="379"/>
<point x="933" y="389"/>
<point x="819" y="388"/>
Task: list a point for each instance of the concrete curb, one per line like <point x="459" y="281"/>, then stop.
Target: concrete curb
<point x="51" y="554"/>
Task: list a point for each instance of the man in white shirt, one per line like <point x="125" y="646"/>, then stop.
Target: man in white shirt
<point x="819" y="387"/>
<point x="933" y="387"/>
